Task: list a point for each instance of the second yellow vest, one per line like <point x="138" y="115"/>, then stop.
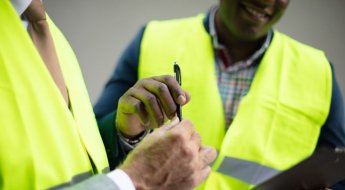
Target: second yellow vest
<point x="278" y="122"/>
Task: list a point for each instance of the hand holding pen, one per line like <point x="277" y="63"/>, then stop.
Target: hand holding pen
<point x="149" y="104"/>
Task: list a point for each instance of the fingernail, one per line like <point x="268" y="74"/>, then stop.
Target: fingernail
<point x="172" y="123"/>
<point x="181" y="99"/>
<point x="211" y="155"/>
<point x="175" y="121"/>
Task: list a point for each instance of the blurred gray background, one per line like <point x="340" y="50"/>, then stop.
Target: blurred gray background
<point x="99" y="30"/>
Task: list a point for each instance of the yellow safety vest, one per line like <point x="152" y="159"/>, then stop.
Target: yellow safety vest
<point x="277" y="123"/>
<point x="43" y="144"/>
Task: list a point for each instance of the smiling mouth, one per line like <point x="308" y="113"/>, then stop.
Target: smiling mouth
<point x="256" y="14"/>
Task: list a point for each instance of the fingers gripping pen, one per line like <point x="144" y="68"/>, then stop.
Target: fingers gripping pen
<point x="177" y="72"/>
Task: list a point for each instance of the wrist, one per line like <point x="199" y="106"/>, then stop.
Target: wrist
<point x="136" y="140"/>
<point x="131" y="136"/>
<point x="128" y="129"/>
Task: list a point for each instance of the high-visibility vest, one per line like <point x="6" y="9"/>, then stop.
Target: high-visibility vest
<point x="43" y="144"/>
<point x="277" y="123"/>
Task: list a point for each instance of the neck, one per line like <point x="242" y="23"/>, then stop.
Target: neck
<point x="238" y="49"/>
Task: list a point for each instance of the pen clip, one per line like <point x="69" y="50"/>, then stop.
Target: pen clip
<point x="177" y="72"/>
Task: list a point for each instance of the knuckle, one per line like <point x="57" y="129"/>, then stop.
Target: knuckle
<point x="131" y="91"/>
<point x="138" y="106"/>
<point x="162" y="88"/>
<point x="145" y="80"/>
<point x="122" y="98"/>
<point x="125" y="101"/>
<point x="150" y="98"/>
<point x="188" y="153"/>
<point x="168" y="78"/>
<point x="142" y="82"/>
<point x="177" y="90"/>
<point x="178" y="137"/>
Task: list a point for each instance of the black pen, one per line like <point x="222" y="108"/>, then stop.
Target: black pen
<point x="177" y="72"/>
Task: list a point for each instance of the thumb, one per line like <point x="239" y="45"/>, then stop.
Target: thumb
<point x="207" y="154"/>
<point x="170" y="125"/>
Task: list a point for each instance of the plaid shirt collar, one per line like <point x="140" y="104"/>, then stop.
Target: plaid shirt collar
<point x="222" y="51"/>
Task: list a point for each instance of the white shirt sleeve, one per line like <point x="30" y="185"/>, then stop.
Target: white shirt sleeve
<point x="121" y="179"/>
<point x="20" y="6"/>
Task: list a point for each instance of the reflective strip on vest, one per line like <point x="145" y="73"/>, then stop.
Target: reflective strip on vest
<point x="75" y="179"/>
<point x="78" y="178"/>
<point x="243" y="170"/>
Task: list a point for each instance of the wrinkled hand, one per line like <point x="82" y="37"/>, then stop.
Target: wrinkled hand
<point x="148" y="104"/>
<point x="171" y="157"/>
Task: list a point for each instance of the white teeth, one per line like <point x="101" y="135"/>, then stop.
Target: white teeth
<point x="255" y="13"/>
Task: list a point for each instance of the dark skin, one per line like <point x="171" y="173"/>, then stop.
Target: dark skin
<point x="241" y="25"/>
<point x="148" y="104"/>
